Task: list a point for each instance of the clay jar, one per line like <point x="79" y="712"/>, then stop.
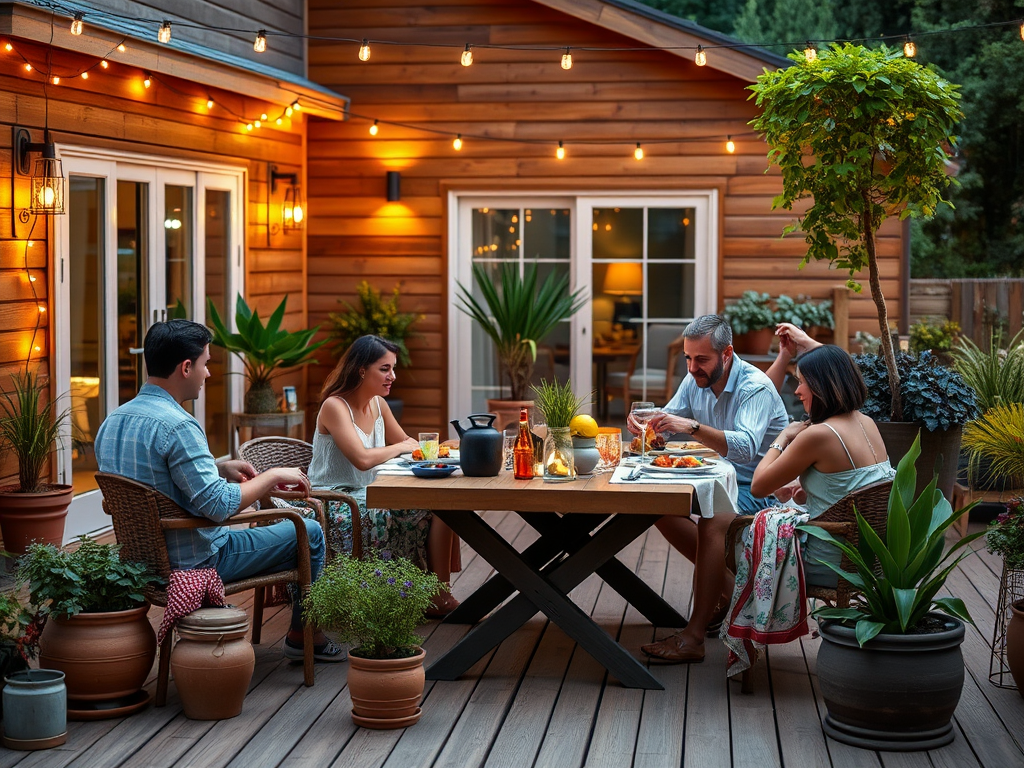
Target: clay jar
<point x="386" y="693"/>
<point x="1015" y="645"/>
<point x="212" y="663"/>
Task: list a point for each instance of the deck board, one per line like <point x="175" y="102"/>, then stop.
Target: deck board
<point x="538" y="700"/>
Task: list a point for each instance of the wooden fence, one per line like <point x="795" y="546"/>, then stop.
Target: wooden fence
<point x="979" y="305"/>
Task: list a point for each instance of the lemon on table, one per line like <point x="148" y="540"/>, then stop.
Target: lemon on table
<point x="583" y="425"/>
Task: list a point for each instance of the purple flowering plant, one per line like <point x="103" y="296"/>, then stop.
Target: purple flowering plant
<point x="374" y="604"/>
<point x="1006" y="535"/>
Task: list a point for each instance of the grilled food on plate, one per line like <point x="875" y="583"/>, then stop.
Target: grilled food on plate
<point x="442" y="453"/>
<point x="677" y="462"/>
<point x="655" y="442"/>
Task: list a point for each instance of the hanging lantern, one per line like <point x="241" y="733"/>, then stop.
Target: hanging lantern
<point x="48" y="183"/>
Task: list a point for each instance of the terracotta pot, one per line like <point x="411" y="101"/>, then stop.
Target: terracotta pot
<point x="386" y="693"/>
<point x="507" y="412"/>
<point x="212" y="663"/>
<point x="1015" y="645"/>
<point x="754" y="342"/>
<point x="104" y="656"/>
<point x="28" y="517"/>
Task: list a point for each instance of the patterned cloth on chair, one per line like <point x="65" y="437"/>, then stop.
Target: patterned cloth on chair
<point x="769" y="603"/>
<point x="189" y="591"/>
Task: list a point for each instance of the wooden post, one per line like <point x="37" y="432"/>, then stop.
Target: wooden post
<point x="1015" y="307"/>
<point x="841" y="313"/>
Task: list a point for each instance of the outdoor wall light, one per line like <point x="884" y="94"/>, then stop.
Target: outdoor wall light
<point x="293" y="207"/>
<point x="394" y="186"/>
<point x="48" y="182"/>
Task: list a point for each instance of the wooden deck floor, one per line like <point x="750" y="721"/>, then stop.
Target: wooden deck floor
<point x="538" y="701"/>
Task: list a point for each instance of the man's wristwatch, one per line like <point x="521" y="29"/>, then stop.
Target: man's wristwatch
<point x="694" y="427"/>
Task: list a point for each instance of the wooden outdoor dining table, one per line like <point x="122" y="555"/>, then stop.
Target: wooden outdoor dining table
<point x="582" y="525"/>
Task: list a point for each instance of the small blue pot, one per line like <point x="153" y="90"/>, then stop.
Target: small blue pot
<point x="35" y="709"/>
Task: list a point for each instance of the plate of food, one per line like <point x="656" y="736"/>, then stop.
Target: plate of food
<point x="432" y="469"/>
<point x="655" y="442"/>
<point x="445" y="455"/>
<point x="688" y="448"/>
<point x="679" y="465"/>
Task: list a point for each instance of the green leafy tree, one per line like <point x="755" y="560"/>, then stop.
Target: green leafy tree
<point x="864" y="132"/>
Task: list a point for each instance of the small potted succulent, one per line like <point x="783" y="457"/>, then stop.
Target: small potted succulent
<point x="375" y="605"/>
<point x="753" y="322"/>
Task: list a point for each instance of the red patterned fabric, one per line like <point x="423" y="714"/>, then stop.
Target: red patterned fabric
<point x="189" y="591"/>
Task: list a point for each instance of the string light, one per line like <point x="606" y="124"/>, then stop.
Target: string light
<point x="56" y="80"/>
<point x="41" y="309"/>
<point x="1022" y="30"/>
<point x="458" y="142"/>
<point x="248" y="127"/>
<point x="700" y="58"/>
<point x="85" y="75"/>
<point x="810" y="52"/>
<point x="567" y="59"/>
<point x="467" y="55"/>
<point x="263" y="117"/>
<point x="257" y="123"/>
<point x="638" y="153"/>
<point x="261" y="41"/>
<point x="28" y="67"/>
<point x="164" y="35"/>
<point x="909" y="48"/>
<point x="364" y="50"/>
<point x="148" y="81"/>
<point x="296" y="106"/>
<point x="374" y="128"/>
<point x="104" y="64"/>
<point x="279" y="121"/>
<point x="76" y="24"/>
<point x="8" y="47"/>
<point x="730" y="145"/>
<point x="560" y="152"/>
<point x="121" y="48"/>
<point x="288" y="111"/>
<point x="209" y="103"/>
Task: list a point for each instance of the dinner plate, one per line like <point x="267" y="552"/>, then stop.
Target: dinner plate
<point x="452" y="458"/>
<point x="432" y="469"/>
<point x="708" y="468"/>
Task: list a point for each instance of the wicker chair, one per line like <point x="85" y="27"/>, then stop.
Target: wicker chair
<point x="141" y="514"/>
<point x="872" y="501"/>
<point x="268" y="452"/>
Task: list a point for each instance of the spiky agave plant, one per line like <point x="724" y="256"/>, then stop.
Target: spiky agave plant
<point x="30" y="427"/>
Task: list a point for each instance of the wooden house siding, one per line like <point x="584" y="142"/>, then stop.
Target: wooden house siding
<point x="622" y="98"/>
<point x="114" y="112"/>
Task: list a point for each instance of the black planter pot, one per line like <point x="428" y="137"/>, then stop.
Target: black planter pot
<point x="940" y="450"/>
<point x="897" y="693"/>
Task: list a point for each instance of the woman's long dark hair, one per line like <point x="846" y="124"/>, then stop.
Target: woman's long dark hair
<point x="834" y="380"/>
<point x="364" y="352"/>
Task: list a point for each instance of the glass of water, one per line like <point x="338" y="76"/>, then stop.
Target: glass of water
<point x="510" y="435"/>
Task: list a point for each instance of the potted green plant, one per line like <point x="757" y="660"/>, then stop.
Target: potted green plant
<point x="814" y="317"/>
<point x="377" y="317"/>
<point x="890" y="666"/>
<point x="97" y="632"/>
<point x="1005" y="537"/>
<point x="935" y="397"/>
<point x="376" y="604"/>
<point x="996" y="439"/>
<point x="559" y="406"/>
<point x="30" y="427"/>
<point x="265" y="350"/>
<point x="19" y="635"/>
<point x="517" y="315"/>
<point x="865" y="133"/>
<point x="753" y="322"/>
<point x="938" y="337"/>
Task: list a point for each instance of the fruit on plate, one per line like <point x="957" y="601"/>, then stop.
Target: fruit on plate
<point x="583" y="425"/>
<point x="443" y="452"/>
<point x="655" y="442"/>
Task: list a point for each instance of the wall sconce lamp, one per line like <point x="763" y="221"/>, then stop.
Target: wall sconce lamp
<point x="48" y="182"/>
<point x="394" y="186"/>
<point x="293" y="207"/>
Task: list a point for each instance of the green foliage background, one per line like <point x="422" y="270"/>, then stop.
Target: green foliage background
<point x="984" y="235"/>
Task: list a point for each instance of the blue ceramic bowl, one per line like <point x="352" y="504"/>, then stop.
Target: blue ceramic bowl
<point x="433" y="469"/>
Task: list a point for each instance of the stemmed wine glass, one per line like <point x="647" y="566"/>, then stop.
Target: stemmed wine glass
<point x="641" y="413"/>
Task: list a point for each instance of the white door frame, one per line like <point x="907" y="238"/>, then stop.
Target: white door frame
<point x="86" y="514"/>
<point x="581" y="203"/>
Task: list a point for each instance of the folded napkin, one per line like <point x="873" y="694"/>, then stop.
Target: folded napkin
<point x="189" y="591"/>
<point x="716" y="491"/>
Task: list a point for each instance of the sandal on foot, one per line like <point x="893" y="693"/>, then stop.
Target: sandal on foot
<point x="674" y="650"/>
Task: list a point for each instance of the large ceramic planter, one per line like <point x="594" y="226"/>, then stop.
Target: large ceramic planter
<point x="261" y="399"/>
<point x="1015" y="645"/>
<point x="105" y="658"/>
<point x="897" y="693"/>
<point x="212" y="663"/>
<point x="939" y="450"/>
<point x="28" y="517"/>
<point x="753" y="342"/>
<point x="386" y="693"/>
<point x="507" y="412"/>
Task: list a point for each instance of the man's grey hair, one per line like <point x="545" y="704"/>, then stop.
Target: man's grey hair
<point x="714" y="326"/>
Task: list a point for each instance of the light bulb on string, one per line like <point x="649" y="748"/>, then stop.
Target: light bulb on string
<point x="104" y="64"/>
<point x="458" y="142"/>
<point x="560" y="152"/>
<point x="288" y="111"/>
<point x="263" y="117"/>
<point x="56" y="80"/>
<point x="700" y="58"/>
<point x="909" y="48"/>
<point x="85" y="75"/>
<point x="148" y="80"/>
<point x="257" y="123"/>
<point x="164" y="35"/>
<point x="260" y="45"/>
<point x="374" y="129"/>
<point x="8" y="47"/>
<point x="638" y="153"/>
<point x="279" y="121"/>
<point x="467" y="55"/>
<point x="28" y="67"/>
<point x="730" y="145"/>
<point x="248" y="127"/>
<point x="121" y="48"/>
<point x="209" y="103"/>
<point x="810" y="52"/>
<point x="76" y="24"/>
<point x="296" y="106"/>
<point x="567" y="59"/>
<point x="364" y="50"/>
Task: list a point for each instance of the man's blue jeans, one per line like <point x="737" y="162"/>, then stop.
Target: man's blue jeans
<point x="268" y="549"/>
<point x="751" y="505"/>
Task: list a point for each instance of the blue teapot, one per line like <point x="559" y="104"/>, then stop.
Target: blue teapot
<point x="480" y="446"/>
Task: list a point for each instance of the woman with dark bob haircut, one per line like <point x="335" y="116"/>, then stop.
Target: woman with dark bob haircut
<point x="356" y="432"/>
<point x="836" y="451"/>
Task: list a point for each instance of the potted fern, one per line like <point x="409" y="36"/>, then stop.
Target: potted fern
<point x="30" y="427"/>
<point x="265" y="350"/>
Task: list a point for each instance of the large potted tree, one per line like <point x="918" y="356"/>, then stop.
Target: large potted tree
<point x="518" y="315"/>
<point x="30" y="427"/>
<point x="865" y="133"/>
<point x="266" y="351"/>
<point x="890" y="667"/>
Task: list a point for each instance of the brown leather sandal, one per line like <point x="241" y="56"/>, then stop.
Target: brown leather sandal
<point x="674" y="650"/>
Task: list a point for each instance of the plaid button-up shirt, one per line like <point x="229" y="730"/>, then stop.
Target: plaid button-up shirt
<point x="155" y="441"/>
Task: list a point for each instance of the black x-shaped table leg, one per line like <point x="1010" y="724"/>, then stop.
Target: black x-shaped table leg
<point x="545" y="589"/>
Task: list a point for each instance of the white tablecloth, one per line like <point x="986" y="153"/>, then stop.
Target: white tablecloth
<point x="716" y="491"/>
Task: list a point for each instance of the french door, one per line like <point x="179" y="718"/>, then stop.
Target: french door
<point x="641" y="260"/>
<point x="145" y="240"/>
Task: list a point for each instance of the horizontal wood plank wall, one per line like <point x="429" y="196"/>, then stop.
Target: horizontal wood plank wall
<point x="114" y="111"/>
<point x="355" y="234"/>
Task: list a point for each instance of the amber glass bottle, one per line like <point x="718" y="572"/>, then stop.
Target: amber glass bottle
<point x="522" y="453"/>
